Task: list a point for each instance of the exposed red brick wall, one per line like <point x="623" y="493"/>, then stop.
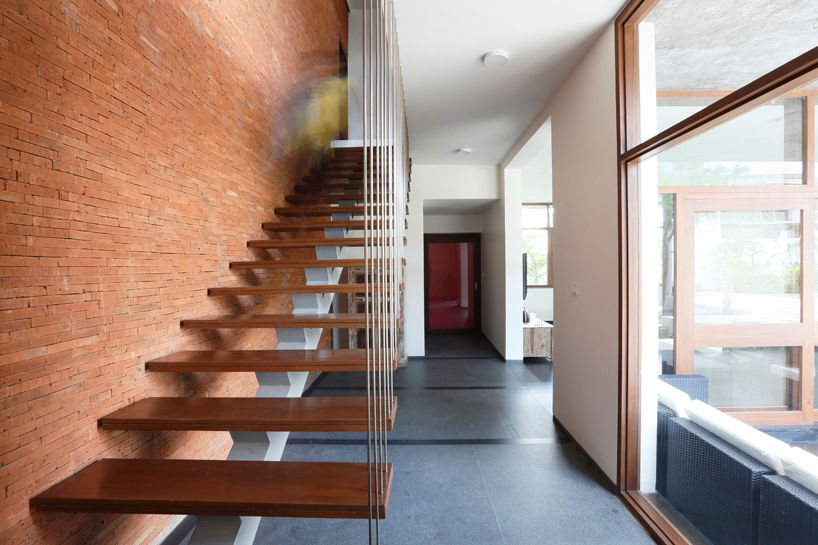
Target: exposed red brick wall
<point x="141" y="146"/>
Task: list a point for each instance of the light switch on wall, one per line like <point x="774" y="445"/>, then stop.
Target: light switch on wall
<point x="574" y="289"/>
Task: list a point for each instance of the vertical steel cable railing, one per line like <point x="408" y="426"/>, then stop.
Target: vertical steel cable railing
<point x="385" y="152"/>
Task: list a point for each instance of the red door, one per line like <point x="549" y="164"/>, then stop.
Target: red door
<point x="452" y="282"/>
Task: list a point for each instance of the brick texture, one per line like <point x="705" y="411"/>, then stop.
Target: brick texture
<point x="142" y="143"/>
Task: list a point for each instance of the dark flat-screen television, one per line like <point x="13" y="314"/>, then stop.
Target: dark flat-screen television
<point x="525" y="276"/>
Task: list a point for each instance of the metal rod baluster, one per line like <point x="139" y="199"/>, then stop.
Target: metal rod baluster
<point x="366" y="119"/>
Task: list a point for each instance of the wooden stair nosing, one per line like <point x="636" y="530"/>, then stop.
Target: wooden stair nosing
<point x="218" y="488"/>
<point x="321" y="224"/>
<point x="319" y="180"/>
<point x="290" y="264"/>
<point x="292" y="290"/>
<point x="313" y="225"/>
<point x="308" y="210"/>
<point x="254" y="361"/>
<point x="307" y="243"/>
<point x="305" y="414"/>
<point x="251" y="321"/>
<point x="312" y="189"/>
<point x="299" y="264"/>
<point x="287" y="321"/>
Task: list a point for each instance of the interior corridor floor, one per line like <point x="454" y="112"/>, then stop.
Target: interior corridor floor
<point x="477" y="460"/>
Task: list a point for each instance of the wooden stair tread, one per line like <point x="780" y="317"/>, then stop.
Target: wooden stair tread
<point x="217" y="487"/>
<point x="301" y="263"/>
<point x="225" y="361"/>
<point x="241" y="321"/>
<point x="332" y="414"/>
<point x="292" y="290"/>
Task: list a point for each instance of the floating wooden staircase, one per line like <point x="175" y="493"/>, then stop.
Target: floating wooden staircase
<point x="251" y="483"/>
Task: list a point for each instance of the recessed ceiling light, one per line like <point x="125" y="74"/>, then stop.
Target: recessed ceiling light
<point x="463" y="151"/>
<point x="496" y="58"/>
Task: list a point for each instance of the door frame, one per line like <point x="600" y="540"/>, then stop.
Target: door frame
<point x="474" y="238"/>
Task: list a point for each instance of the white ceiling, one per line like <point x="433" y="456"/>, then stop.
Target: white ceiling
<point x="453" y="101"/>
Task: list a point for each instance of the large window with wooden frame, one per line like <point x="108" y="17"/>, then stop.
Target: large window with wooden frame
<point x="717" y="109"/>
<point x="537" y="225"/>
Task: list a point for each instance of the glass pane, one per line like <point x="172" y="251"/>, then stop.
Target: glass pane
<point x="704" y="48"/>
<point x="667" y="282"/>
<point x="752" y="379"/>
<point x="747" y="266"/>
<point x="535" y="244"/>
<point x="761" y="147"/>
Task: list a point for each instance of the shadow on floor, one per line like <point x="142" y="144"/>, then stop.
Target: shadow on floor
<point x="459" y="346"/>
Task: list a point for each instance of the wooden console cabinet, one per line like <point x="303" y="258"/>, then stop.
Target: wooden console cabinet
<point x="538" y="339"/>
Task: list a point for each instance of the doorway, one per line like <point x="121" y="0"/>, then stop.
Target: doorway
<point x="453" y="290"/>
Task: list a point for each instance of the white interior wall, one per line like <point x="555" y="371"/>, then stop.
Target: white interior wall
<point x="493" y="271"/>
<point x="453" y="223"/>
<point x="438" y="182"/>
<point x="540" y="301"/>
<point x="513" y="263"/>
<point x="502" y="264"/>
<point x="586" y="340"/>
<point x="537" y="178"/>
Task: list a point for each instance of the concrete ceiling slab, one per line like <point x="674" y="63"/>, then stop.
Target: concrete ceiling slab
<point x="702" y="44"/>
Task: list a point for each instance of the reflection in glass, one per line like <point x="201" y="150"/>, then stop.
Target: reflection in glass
<point x="752" y="379"/>
<point x="748" y="266"/>
<point x="706" y="49"/>
<point x="762" y="147"/>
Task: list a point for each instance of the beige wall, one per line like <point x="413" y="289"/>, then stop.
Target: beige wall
<point x="586" y="340"/>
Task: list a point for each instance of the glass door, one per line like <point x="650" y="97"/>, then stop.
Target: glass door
<point x="743" y="319"/>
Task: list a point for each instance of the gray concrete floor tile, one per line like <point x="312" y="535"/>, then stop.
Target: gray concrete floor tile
<point x="477" y="460"/>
